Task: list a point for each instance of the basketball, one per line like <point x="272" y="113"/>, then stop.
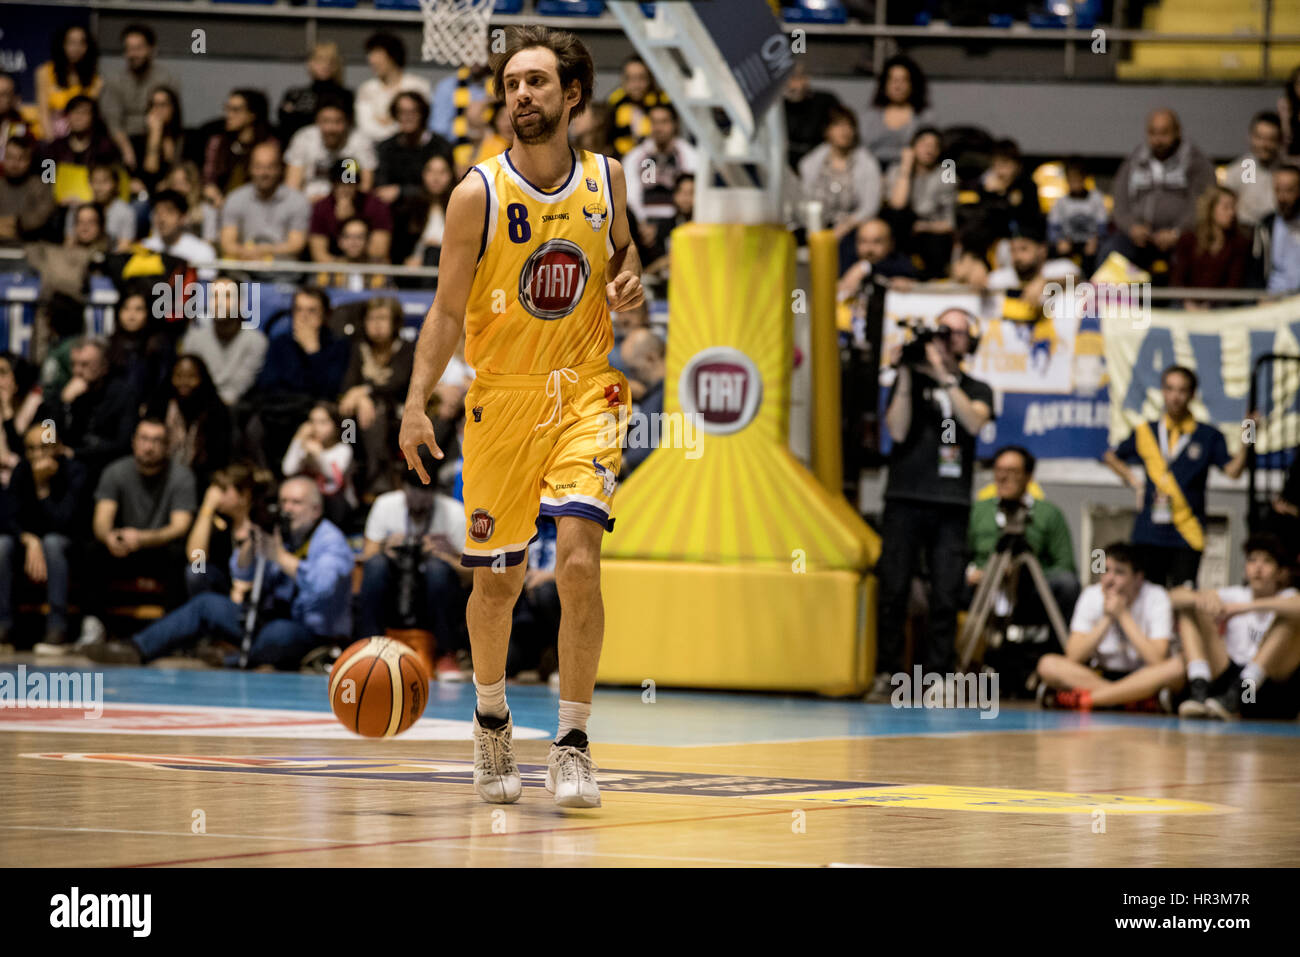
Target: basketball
<point x="378" y="687"/>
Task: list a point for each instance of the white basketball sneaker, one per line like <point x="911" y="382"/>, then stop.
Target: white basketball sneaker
<point x="569" y="772"/>
<point x="496" y="776"/>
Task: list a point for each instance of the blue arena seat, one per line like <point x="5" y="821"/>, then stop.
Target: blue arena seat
<point x="501" y="6"/>
<point x="347" y="4"/>
<point x="570" y="8"/>
<point x="815" y="11"/>
<point x="1055" y="15"/>
<point x="508" y="6"/>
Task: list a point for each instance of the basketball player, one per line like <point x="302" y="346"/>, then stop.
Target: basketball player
<point x="1259" y="649"/>
<point x="536" y="253"/>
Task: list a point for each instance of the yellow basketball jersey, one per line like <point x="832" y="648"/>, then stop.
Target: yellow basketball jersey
<point x="537" y="302"/>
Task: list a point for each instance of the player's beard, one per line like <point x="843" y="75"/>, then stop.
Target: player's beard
<point x="541" y="127"/>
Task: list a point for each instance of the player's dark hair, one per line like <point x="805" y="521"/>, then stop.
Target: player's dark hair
<point x="390" y="44"/>
<point x="1272" y="545"/>
<point x="1025" y="455"/>
<point x="1126" y="553"/>
<point x="573" y="61"/>
<point x="1184" y="371"/>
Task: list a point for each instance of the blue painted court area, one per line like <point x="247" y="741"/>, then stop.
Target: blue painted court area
<point x="675" y="718"/>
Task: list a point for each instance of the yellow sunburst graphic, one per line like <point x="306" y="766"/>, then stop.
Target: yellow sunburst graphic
<point x="736" y="496"/>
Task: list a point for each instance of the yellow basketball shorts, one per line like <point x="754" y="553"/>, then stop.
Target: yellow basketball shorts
<point x="539" y="445"/>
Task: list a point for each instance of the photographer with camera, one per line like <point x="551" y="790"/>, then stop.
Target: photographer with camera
<point x="934" y="413"/>
<point x="413" y="577"/>
<point x="305" y="596"/>
<point x="1039" y="523"/>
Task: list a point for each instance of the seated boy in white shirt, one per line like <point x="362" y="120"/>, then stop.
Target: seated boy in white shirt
<point x="1242" y="643"/>
<point x="1119" y="646"/>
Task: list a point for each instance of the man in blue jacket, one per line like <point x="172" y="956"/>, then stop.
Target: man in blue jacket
<point x="305" y="600"/>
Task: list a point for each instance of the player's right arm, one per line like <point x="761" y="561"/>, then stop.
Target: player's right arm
<point x="442" y="327"/>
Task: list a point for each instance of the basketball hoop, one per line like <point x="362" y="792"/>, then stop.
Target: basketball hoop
<point x="455" y="31"/>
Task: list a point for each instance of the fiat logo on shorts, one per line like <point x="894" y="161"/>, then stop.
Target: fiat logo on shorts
<point x="553" y="279"/>
<point x="481" y="524"/>
<point x="722" y="386"/>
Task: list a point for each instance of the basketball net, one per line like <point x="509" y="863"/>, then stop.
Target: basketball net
<point x="455" y="31"/>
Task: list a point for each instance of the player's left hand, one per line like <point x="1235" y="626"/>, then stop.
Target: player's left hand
<point x="624" y="292"/>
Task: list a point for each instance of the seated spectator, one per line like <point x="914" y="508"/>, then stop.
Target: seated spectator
<point x="306" y="601"/>
<point x="304" y="364"/>
<point x="14" y="114"/>
<point x="1250" y="175"/>
<point x="403" y="156"/>
<point x="1216" y="253"/>
<point x="26" y="202"/>
<point x="1078" y="220"/>
<point x="327" y="149"/>
<point x="417" y="515"/>
<point x="354" y="236"/>
<point x="118" y="217"/>
<point x="318" y="452"/>
<point x="227" y="158"/>
<point x="265" y="218"/>
<point x="85" y="145"/>
<point x="232" y="352"/>
<point x="922" y="201"/>
<point x="88" y="235"/>
<point x="386" y="55"/>
<point x="1046" y="532"/>
<point x="139" y="349"/>
<point x="225" y="514"/>
<point x="144" y="504"/>
<point x="1277" y="237"/>
<point x="590" y="130"/>
<point x="1005" y="194"/>
<point x="163" y="143"/>
<point x="198" y="423"/>
<point x="1119" y="647"/>
<point x="374" y="389"/>
<point x="876" y="256"/>
<point x="643" y="355"/>
<point x="170" y="236"/>
<point x="347" y="202"/>
<point x="498" y="134"/>
<point x="417" y="238"/>
<point x="49" y="500"/>
<point x="670" y="156"/>
<point x="71" y="71"/>
<point x="127" y="100"/>
<point x="1030" y="270"/>
<point x="95" y="412"/>
<point x="901" y="106"/>
<point x="298" y="105"/>
<point x="629" y="106"/>
<point x="842" y="176"/>
<point x="202" y="218"/>
<point x="20" y="397"/>
<point x="1155" y="193"/>
<point x="806" y="113"/>
<point x="1239" y="642"/>
<point x="656" y="234"/>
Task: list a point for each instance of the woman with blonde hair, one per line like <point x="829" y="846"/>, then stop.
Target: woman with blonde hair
<point x="1215" y="254"/>
<point x="298" y="105"/>
<point x="202" y="219"/>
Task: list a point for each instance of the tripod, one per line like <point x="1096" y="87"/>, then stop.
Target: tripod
<point x="1003" y="574"/>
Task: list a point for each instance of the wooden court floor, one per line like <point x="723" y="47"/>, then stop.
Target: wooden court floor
<point x="742" y="780"/>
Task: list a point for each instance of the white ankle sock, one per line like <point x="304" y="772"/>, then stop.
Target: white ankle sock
<point x="1198" y="669"/>
<point x="573" y="715"/>
<point x="1254" y="674"/>
<point x="492" y="698"/>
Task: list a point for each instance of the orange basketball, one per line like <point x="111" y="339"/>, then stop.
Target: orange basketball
<point x="378" y="687"/>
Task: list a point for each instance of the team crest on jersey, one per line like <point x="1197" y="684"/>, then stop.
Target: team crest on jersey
<point x="481" y="524"/>
<point x="595" y="213"/>
<point x="591" y="184"/>
<point x="607" y="478"/>
<point x="553" y="279"/>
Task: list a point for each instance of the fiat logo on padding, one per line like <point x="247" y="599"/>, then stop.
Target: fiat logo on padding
<point x="722" y="386"/>
<point x="553" y="279"/>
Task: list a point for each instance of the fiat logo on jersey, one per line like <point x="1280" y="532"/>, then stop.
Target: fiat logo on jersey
<point x="553" y="278"/>
<point x="722" y="386"/>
